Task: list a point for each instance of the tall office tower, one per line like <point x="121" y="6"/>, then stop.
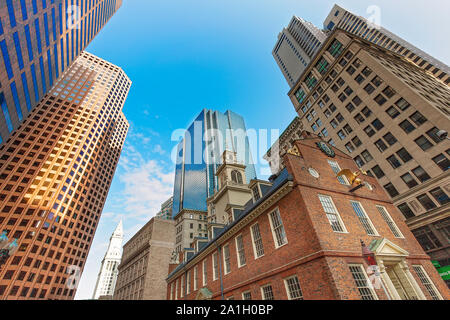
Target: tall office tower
<point x="199" y="156"/>
<point x="107" y="277"/>
<point x="39" y="40"/>
<point x="55" y="173"/>
<point x="295" y="47"/>
<point x="341" y="18"/>
<point x="166" y="210"/>
<point x="385" y="112"/>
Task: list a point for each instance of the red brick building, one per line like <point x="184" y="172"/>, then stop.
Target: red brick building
<point x="299" y="238"/>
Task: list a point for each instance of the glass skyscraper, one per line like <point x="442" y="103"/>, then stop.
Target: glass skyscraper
<point x="39" y="40"/>
<point x="199" y="155"/>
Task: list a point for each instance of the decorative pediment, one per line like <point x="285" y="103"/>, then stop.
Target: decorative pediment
<point x="384" y="247"/>
<point x="203" y="294"/>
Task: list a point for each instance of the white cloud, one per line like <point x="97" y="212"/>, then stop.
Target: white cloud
<point x="159" y="149"/>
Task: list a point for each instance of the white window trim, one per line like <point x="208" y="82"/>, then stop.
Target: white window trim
<point x="215" y="276"/>
<point x="196" y="278"/>
<point x="368" y="219"/>
<point x="237" y="250"/>
<point x="188" y="282"/>
<point x="273" y="230"/>
<point x="182" y="286"/>
<point x="343" y="177"/>
<point x="337" y="213"/>
<point x="285" y="280"/>
<point x="204" y="272"/>
<point x="225" y="271"/>
<point x="429" y="280"/>
<point x="253" y="241"/>
<point x="262" y="290"/>
<point x="176" y="289"/>
<point x="392" y="220"/>
<point x="366" y="277"/>
<point x="248" y="291"/>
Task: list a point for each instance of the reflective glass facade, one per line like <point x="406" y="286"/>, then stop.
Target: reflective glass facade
<point x="39" y="39"/>
<point x="199" y="156"/>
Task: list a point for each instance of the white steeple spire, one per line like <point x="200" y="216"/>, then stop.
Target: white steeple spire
<point x="107" y="277"/>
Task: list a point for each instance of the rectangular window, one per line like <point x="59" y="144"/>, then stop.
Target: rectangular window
<point x="363" y="218"/>
<point x="18" y="50"/>
<point x="440" y="196"/>
<point x="293" y="289"/>
<point x="442" y="162"/>
<point x="246" y="295"/>
<point x="26" y="91"/>
<point x="6" y="59"/>
<point x="38" y="35"/>
<point x="16" y="100"/>
<point x="240" y="251"/>
<point x="182" y="287"/>
<point x="215" y="263"/>
<point x="226" y="259"/>
<point x="387" y="217"/>
<point x="195" y="278"/>
<point x="205" y="273"/>
<point x="336" y="169"/>
<point x="362" y="282"/>
<point x="335" y="49"/>
<point x="6" y="112"/>
<point x="278" y="232"/>
<point x="423" y="143"/>
<point x="332" y="213"/>
<point x="12" y="16"/>
<point x="267" y="292"/>
<point x="257" y="241"/>
<point x="188" y="282"/>
<point x="426" y="281"/>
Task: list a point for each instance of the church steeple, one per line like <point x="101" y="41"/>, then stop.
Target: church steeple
<point x="119" y="230"/>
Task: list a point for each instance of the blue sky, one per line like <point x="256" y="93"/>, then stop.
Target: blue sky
<point x="185" y="55"/>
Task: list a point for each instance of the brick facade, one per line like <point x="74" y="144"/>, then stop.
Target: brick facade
<point x="318" y="256"/>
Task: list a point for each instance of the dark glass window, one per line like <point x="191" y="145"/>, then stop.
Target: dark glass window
<point x="377" y="124"/>
<point x="418" y="118"/>
<point x="391" y="190"/>
<point x="366" y="111"/>
<point x="402" y="104"/>
<point x="442" y="162"/>
<point x="423" y="143"/>
<point x="356" y="141"/>
<point x="409" y="180"/>
<point x="394" y="161"/>
<point x="369" y="131"/>
<point x="359" y="161"/>
<point x="404" y="155"/>
<point x="440" y="195"/>
<point x="390" y="139"/>
<point x="380" y="99"/>
<point x="426" y="238"/>
<point x="421" y="174"/>
<point x="407" y="126"/>
<point x="381" y="145"/>
<point x="389" y="92"/>
<point x="406" y="210"/>
<point x="393" y="112"/>
<point x="426" y="202"/>
<point x="378" y="172"/>
<point x="367" y="156"/>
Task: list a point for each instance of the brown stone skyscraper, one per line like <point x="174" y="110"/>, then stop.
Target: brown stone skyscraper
<point x="55" y="173"/>
<point x="386" y="113"/>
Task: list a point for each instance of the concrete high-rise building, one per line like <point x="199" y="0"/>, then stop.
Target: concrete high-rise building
<point x="107" y="277"/>
<point x="166" y="209"/>
<point x="145" y="262"/>
<point x="385" y="112"/>
<point x="295" y="47"/>
<point x="39" y="40"/>
<point x="360" y="26"/>
<point x="55" y="174"/>
<point x="198" y="158"/>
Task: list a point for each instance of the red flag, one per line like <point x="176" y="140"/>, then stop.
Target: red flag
<point x="368" y="255"/>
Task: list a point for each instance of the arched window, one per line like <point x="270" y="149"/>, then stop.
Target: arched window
<point x="236" y="176"/>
